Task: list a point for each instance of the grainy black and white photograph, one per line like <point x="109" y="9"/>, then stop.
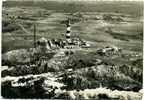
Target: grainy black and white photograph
<point x="72" y="49"/>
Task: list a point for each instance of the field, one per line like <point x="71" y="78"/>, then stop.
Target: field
<point x="127" y="34"/>
<point x="118" y="24"/>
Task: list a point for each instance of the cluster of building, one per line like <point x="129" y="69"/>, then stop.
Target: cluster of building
<point x="67" y="43"/>
<point x="109" y="50"/>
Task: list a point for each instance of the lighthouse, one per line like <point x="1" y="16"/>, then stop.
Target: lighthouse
<point x="68" y="32"/>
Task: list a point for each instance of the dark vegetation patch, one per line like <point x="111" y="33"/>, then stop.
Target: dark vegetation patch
<point x="133" y="70"/>
<point x="29" y="91"/>
<point x="73" y="20"/>
<point x="108" y="17"/>
<point x="126" y="37"/>
<point x="7" y="26"/>
<point x="80" y="60"/>
<point x="26" y="18"/>
<point x="16" y="44"/>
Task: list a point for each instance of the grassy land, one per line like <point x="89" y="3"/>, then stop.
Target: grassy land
<point x="49" y="15"/>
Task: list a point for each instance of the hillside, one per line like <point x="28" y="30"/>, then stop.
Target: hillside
<point x="111" y="66"/>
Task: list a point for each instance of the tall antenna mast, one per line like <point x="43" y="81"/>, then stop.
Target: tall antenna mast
<point x="34" y="35"/>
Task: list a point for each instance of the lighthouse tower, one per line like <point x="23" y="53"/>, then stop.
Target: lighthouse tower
<point x="68" y="32"/>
